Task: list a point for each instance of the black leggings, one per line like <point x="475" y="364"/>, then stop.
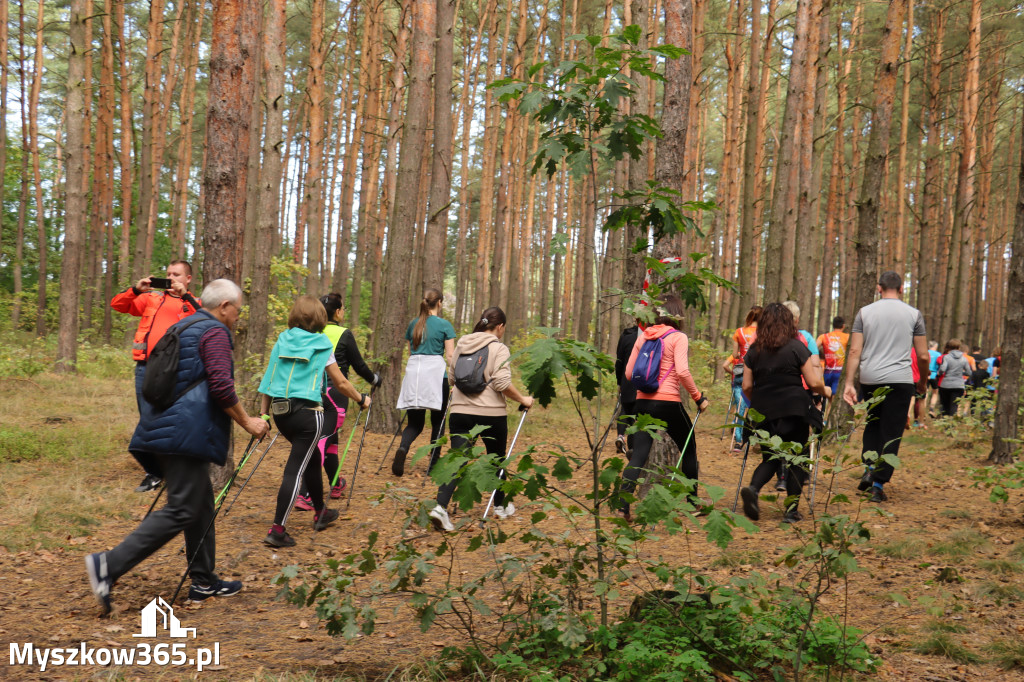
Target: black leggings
<point x="417" y="420"/>
<point x="948" y="398"/>
<point x="495" y="439"/>
<point x="677" y="426"/>
<point x="791" y="430"/>
<point x="303" y="428"/>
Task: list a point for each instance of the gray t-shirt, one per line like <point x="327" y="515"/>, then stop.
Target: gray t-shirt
<point x="889" y="326"/>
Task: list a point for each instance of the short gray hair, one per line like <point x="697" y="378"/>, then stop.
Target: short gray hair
<point x="220" y="290"/>
<point x="793" y="308"/>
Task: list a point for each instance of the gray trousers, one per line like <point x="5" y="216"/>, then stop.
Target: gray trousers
<point x="189" y="508"/>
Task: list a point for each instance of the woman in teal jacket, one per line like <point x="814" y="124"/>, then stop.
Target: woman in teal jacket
<point x="292" y="389"/>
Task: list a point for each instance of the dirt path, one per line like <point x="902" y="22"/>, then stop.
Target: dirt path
<point x="933" y="519"/>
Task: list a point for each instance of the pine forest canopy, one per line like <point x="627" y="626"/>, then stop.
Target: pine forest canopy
<point x="357" y="147"/>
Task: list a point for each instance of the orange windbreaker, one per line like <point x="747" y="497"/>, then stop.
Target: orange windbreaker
<point x="158" y="311"/>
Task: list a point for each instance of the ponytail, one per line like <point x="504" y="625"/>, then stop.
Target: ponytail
<point x="431" y="299"/>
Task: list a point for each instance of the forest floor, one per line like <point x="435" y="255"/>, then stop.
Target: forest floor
<point x="66" y="489"/>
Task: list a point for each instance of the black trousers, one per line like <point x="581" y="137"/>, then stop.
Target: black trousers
<point x="417" y="419"/>
<point x="948" y="398"/>
<point x="303" y="428"/>
<point x="791" y="430"/>
<point x="678" y="427"/>
<point x="495" y="443"/>
<point x="886" y="421"/>
<point x="189" y="508"/>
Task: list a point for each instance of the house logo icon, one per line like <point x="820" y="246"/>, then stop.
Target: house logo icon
<point x="159" y="612"/>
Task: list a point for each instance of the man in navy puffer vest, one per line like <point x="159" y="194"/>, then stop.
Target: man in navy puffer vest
<point x="184" y="439"/>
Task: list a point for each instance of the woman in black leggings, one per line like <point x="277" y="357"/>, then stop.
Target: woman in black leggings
<point x="486" y="408"/>
<point x="425" y="387"/>
<point x="346" y="354"/>
<point x="291" y="389"/>
<point x="772" y="373"/>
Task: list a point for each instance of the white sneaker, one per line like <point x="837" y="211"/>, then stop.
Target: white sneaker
<point x="439" y="517"/>
<point x="506" y="511"/>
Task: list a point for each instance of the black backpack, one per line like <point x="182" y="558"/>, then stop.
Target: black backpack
<point x="162" y="368"/>
<point x="469" y="372"/>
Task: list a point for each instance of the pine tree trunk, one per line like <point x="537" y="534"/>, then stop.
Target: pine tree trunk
<point x="962" y="225"/>
<point x="76" y="207"/>
<point x="441" y="166"/>
<point x="228" y="121"/>
<point x="19" y="241"/>
<point x="273" y="54"/>
<point x="404" y="218"/>
<point x="143" y="219"/>
<point x="931" y="116"/>
<point x="671" y="148"/>
<point x="124" y="266"/>
<point x="1008" y="395"/>
<point x="874" y="162"/>
<point x="348" y="127"/>
<point x="42" y="243"/>
<point x="314" y="208"/>
<point x="779" y="260"/>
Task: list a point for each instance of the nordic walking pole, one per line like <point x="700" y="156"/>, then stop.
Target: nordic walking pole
<point x="341" y="460"/>
<point x="728" y="412"/>
<point x="246" y="481"/>
<point x="814" y="477"/>
<point x="525" y="410"/>
<point x="397" y="431"/>
<point x="150" y="510"/>
<point x="359" y="453"/>
<point x="693" y="430"/>
<point x="216" y="509"/>
<point x="743" y="468"/>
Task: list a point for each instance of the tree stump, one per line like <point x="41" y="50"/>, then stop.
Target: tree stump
<point x="664" y="455"/>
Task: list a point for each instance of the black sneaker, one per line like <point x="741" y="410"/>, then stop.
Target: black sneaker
<point x="620" y="445"/>
<point x="750" y="504"/>
<point x="878" y="495"/>
<point x="780" y="484"/>
<point x="150" y="482"/>
<point x="398" y="466"/>
<point x="282" y="539"/>
<point x="792" y="516"/>
<point x="99" y="578"/>
<point x="326" y="517"/>
<point x="218" y="588"/>
<point x="865" y="481"/>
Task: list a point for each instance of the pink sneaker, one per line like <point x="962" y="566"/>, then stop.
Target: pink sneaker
<point x="337" y="489"/>
<point x="304" y="503"/>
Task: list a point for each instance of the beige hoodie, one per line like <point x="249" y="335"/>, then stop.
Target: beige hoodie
<point x="490" y="402"/>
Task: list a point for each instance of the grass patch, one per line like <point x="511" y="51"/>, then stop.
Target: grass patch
<point x="944" y="626"/>
<point x="734" y="559"/>
<point x="998" y="592"/>
<point x="943" y="644"/>
<point x="962" y="543"/>
<point x="1001" y="566"/>
<point x="1017" y="551"/>
<point x="1007" y="654"/>
<point x="955" y="514"/>
<point x="905" y="549"/>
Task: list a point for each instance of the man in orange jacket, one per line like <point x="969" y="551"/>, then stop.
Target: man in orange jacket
<point x="159" y="309"/>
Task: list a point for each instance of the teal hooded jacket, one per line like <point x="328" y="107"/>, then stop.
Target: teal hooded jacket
<point x="297" y="365"/>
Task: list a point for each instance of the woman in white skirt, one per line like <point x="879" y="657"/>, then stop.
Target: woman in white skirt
<point x="425" y="385"/>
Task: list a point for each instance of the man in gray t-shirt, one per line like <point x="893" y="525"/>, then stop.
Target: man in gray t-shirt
<point x="887" y="336"/>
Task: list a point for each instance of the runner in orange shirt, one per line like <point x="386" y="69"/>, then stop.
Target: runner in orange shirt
<point x="832" y="349"/>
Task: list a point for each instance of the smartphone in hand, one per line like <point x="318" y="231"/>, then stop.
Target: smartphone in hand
<point x="160" y="282"/>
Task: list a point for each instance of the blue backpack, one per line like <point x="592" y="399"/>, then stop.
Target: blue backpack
<point x="647" y="368"/>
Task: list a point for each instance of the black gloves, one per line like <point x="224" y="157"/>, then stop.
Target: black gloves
<point x="377" y="380"/>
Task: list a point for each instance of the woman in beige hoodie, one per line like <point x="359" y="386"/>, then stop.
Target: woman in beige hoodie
<point x="486" y="408"/>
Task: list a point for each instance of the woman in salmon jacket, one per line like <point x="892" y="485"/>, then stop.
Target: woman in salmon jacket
<point x="664" y="403"/>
